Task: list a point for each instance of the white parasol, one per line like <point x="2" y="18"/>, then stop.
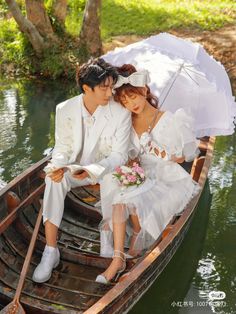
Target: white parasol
<point x="184" y="75"/>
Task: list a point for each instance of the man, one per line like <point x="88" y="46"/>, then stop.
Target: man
<point x="90" y="129"/>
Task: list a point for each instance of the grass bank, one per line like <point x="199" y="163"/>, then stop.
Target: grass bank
<point x="118" y="17"/>
<point x="145" y="17"/>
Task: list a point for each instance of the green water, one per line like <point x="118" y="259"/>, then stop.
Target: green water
<point x="205" y="262"/>
<point x="27" y="122"/>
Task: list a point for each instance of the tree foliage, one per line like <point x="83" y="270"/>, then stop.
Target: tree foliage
<point x="42" y="22"/>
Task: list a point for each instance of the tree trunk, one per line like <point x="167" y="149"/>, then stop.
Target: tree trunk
<point x="60" y="10"/>
<point x="27" y="28"/>
<point x="37" y="14"/>
<point x="90" y="37"/>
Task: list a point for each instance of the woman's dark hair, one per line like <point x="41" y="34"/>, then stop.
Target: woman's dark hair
<point x="127" y="89"/>
<point x="95" y="72"/>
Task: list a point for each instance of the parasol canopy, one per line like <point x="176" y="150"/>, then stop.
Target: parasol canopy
<point x="184" y="75"/>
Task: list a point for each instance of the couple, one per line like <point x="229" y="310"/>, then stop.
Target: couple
<point x="92" y="128"/>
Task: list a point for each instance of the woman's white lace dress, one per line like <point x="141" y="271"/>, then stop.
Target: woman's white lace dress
<point x="166" y="190"/>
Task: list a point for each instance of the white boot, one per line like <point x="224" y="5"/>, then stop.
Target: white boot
<point x="106" y="246"/>
<point x="49" y="261"/>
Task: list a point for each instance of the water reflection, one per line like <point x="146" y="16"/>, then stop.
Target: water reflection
<point x="27" y="123"/>
<point x="220" y="246"/>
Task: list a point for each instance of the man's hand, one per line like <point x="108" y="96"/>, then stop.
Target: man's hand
<point x="57" y="175"/>
<point x="81" y="175"/>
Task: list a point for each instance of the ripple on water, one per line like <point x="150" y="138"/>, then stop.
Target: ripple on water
<point x="207" y="270"/>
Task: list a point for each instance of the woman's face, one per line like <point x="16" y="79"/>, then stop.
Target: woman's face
<point x="133" y="102"/>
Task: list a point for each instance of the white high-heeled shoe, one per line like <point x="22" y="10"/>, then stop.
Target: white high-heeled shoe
<point x="102" y="279"/>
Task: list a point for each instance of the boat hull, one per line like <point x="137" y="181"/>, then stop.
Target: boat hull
<point x="72" y="288"/>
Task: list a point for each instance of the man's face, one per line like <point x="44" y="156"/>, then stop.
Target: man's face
<point x="103" y="92"/>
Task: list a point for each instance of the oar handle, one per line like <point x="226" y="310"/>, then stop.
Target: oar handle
<point x="28" y="256"/>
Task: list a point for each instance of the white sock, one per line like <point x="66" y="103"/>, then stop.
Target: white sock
<point x="50" y="248"/>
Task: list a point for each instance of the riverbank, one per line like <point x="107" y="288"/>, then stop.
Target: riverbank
<point x="119" y="19"/>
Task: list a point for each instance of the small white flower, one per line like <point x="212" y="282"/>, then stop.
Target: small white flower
<point x="126" y="169"/>
<point x="125" y="182"/>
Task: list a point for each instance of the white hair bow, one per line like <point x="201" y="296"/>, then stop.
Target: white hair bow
<point x="137" y="79"/>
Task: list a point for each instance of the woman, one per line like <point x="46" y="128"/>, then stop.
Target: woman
<point x="160" y="141"/>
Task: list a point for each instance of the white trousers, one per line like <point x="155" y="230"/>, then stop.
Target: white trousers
<point x="54" y="196"/>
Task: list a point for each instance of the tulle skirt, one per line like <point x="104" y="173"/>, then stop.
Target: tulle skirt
<point x="165" y="193"/>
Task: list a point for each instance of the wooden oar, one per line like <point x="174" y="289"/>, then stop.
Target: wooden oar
<point x="14" y="307"/>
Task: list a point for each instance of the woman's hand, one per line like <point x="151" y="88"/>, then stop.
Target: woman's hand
<point x="130" y="162"/>
<point x="57" y="175"/>
<point x="179" y="160"/>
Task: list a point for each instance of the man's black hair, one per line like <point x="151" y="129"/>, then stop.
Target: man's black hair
<point x="95" y="72"/>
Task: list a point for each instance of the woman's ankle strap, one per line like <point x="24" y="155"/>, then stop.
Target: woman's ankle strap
<point x="119" y="254"/>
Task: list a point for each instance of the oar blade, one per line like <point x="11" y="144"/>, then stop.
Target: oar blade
<point x="13" y="307"/>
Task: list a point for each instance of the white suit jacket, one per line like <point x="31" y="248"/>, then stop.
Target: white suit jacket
<point x="109" y="140"/>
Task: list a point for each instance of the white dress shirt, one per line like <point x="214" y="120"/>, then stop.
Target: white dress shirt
<point x="88" y="121"/>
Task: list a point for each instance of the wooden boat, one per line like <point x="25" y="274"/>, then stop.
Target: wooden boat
<point x="72" y="288"/>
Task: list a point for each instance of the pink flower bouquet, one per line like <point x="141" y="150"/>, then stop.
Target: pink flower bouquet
<point x="129" y="176"/>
